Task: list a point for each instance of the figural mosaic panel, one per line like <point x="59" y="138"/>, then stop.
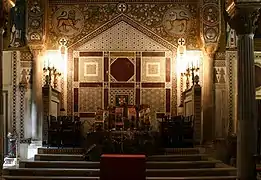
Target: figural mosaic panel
<point x="169" y="21"/>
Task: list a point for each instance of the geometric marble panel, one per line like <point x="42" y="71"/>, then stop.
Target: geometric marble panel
<point x="122" y="37"/>
<point x="90" y="99"/>
<point x="122" y="69"/>
<point x="90" y="69"/>
<point x="113" y="92"/>
<point x="155" y="98"/>
<point x="153" y="69"/>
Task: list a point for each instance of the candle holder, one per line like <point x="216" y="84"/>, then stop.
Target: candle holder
<point x="187" y="75"/>
<point x="51" y="72"/>
<point x="193" y="71"/>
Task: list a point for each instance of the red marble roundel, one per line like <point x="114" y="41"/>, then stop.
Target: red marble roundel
<point x="122" y="69"/>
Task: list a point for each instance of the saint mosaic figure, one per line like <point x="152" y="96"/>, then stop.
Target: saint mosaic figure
<point x="17" y="24"/>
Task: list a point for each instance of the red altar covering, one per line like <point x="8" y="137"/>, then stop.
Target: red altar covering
<point x="123" y="167"/>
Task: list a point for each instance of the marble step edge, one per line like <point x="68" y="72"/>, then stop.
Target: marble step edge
<point x="96" y="170"/>
<point x="164" y="155"/>
<point x="64" y="148"/>
<point x="148" y="162"/>
<point x="179" y="155"/>
<point x="50" y="177"/>
<point x="195" y="149"/>
<point x="192" y="178"/>
<point x="61" y="155"/>
<point x="148" y="178"/>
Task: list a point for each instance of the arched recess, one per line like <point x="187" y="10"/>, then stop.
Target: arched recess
<point x="142" y="46"/>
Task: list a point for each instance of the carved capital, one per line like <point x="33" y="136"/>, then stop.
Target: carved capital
<point x="36" y="50"/>
<point x="244" y="20"/>
<point x="210" y="50"/>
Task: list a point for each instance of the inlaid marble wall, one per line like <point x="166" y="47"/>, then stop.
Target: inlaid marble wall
<point x="231" y="68"/>
<point x="136" y="66"/>
<point x="19" y="91"/>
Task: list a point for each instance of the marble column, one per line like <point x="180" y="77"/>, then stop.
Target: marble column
<point x="208" y="94"/>
<point x="243" y="21"/>
<point x="1" y="102"/>
<point x="36" y="103"/>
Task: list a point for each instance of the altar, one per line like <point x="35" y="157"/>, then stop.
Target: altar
<point x="123" y="117"/>
<point x="121" y="142"/>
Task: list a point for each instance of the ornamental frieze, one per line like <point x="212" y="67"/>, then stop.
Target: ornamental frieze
<point x="168" y="21"/>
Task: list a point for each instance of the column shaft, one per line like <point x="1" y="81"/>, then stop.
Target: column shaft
<point x="1" y="102"/>
<point x="208" y="98"/>
<point x="247" y="119"/>
<point x="36" y="106"/>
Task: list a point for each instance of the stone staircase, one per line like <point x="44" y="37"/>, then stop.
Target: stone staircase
<point x="68" y="163"/>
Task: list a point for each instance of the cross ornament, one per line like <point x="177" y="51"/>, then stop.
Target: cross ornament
<point x="63" y="42"/>
<point x="181" y="41"/>
<point x="122" y="7"/>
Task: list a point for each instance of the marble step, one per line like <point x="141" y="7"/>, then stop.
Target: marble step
<point x="48" y="177"/>
<point x="95" y="172"/>
<point x="97" y="178"/>
<point x="180" y="164"/>
<point x="59" y="164"/>
<point x="59" y="157"/>
<point x="90" y="164"/>
<point x="182" y="150"/>
<point x="50" y="172"/>
<point x="79" y="157"/>
<point x="191" y="172"/>
<point x="194" y="178"/>
<point x="54" y="150"/>
<point x="177" y="157"/>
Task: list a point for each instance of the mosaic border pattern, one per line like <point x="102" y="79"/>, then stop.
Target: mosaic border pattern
<point x="14" y="104"/>
<point x="230" y="57"/>
<point x="22" y="109"/>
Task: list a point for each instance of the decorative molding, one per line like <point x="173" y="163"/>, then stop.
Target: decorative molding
<point x="231" y="58"/>
<point x="14" y="95"/>
<point x="210" y="16"/>
<point x="36" y="21"/>
<point x="116" y="1"/>
<point x="22" y="111"/>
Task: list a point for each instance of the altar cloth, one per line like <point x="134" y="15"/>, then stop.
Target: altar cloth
<point x="123" y="167"/>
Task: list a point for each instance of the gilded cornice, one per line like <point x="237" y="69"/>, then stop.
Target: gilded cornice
<point x="116" y="1"/>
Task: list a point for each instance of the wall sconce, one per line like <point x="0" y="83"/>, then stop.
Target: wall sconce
<point x="53" y="67"/>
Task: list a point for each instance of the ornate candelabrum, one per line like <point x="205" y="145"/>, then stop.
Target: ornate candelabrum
<point x="53" y="68"/>
<point x="191" y="71"/>
<point x="51" y="72"/>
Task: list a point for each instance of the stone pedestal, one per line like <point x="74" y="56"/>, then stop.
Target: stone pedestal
<point x="33" y="148"/>
<point x="243" y="21"/>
